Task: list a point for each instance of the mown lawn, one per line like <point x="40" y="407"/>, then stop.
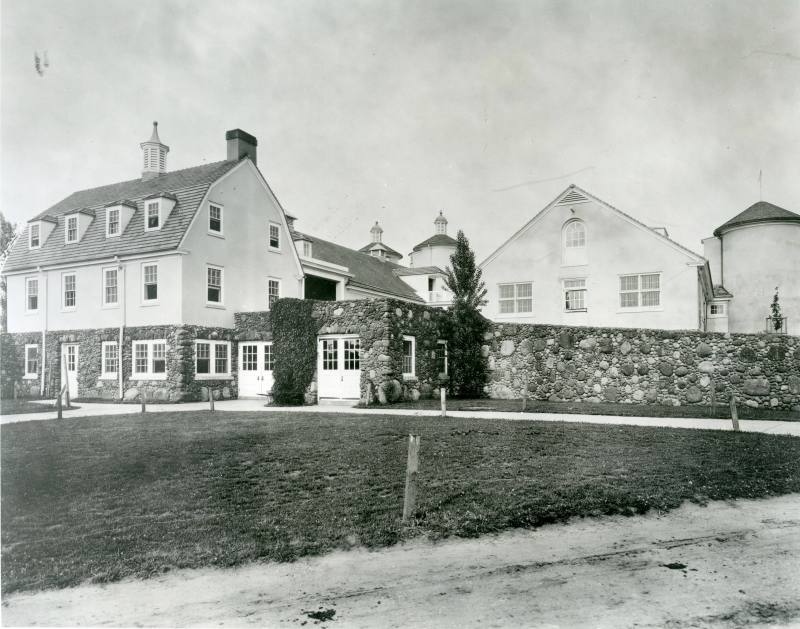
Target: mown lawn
<point x="104" y="498"/>
<point x="18" y="407"/>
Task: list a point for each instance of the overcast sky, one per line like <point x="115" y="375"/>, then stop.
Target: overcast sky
<point x="394" y="110"/>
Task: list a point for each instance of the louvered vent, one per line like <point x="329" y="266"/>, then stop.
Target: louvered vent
<point x="573" y="196"/>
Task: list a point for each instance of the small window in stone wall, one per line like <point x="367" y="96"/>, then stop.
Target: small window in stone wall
<point x="110" y="358"/>
<point x="409" y="356"/>
<point x="212" y="359"/>
<point x="441" y="357"/>
<point x="31" y="361"/>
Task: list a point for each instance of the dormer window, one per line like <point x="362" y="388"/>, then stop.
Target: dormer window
<point x="112" y="222"/>
<point x="34" y="236"/>
<point x="71" y="230"/>
<point x="152" y="215"/>
<point x="306" y="249"/>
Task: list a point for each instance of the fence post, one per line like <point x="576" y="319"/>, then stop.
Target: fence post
<point x="369" y="393"/>
<point x="713" y="399"/>
<point x="734" y="414"/>
<point x="443" y="396"/>
<point x="142" y="396"/>
<point x="412" y="465"/>
<point x="210" y="399"/>
<point x="65" y="385"/>
<point x="525" y="397"/>
<point x="58" y="406"/>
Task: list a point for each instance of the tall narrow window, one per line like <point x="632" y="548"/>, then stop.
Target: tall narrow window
<point x="34" y="236"/>
<point x="68" y="280"/>
<point x="409" y="356"/>
<point x="269" y="357"/>
<point x="202" y="363"/>
<point x="441" y="357"/>
<point x="110" y="359"/>
<point x="153" y="216"/>
<point x="306" y="249"/>
<point x="274" y="236"/>
<point x="159" y="357"/>
<point x="112" y="222"/>
<point x="352" y="354"/>
<point x="110" y="288"/>
<point x="330" y="354"/>
<point x="72" y="229"/>
<point x="574" y="252"/>
<point x="150" y="282"/>
<point x="221" y="358"/>
<point x="575" y="294"/>
<point x="214" y="285"/>
<point x="31" y="361"/>
<point x="32" y="294"/>
<point x="273" y="292"/>
<point x="215" y="219"/>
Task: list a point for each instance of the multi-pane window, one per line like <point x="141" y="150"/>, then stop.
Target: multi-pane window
<point x="575" y="294"/>
<point x="215" y="219"/>
<point x="150" y="282"/>
<point x="352" y="354"/>
<point x="575" y="235"/>
<point x="34" y="236"/>
<point x="110" y="358"/>
<point x="153" y="215"/>
<point x="441" y="357"/>
<point x="150" y="359"/>
<point x="212" y="358"/>
<point x="72" y="229"/>
<point x="69" y="290"/>
<point x="409" y="355"/>
<point x="269" y="357"/>
<point x="330" y="354"/>
<point x="273" y="292"/>
<point x="110" y="287"/>
<point x="112" y="222"/>
<point x="31" y="294"/>
<point x="640" y="291"/>
<point x="516" y="298"/>
<point x="214" y="285"/>
<point x="717" y="309"/>
<point x="249" y="357"/>
<point x="274" y="236"/>
<point x="31" y="361"/>
<point x="306" y="249"/>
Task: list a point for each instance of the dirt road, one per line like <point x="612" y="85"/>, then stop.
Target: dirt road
<point x="727" y="564"/>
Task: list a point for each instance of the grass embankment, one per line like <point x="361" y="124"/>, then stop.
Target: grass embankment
<point x="722" y="411"/>
<point x="105" y="498"/>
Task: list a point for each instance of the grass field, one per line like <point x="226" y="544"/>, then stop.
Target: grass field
<point x="19" y="407"/>
<point x="722" y="411"/>
<point x="104" y="498"/>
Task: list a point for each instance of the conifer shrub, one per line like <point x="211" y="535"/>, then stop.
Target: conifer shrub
<point x="294" y="341"/>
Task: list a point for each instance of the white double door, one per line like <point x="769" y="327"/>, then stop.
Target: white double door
<point x="339" y="367"/>
<point x="256" y="362"/>
<point x="69" y="367"/>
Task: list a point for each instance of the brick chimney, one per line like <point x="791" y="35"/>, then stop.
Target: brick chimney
<point x="241" y="144"/>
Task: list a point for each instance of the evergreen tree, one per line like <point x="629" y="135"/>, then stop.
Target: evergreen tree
<point x="467" y="365"/>
<point x="777" y="317"/>
<point x="7" y="231"/>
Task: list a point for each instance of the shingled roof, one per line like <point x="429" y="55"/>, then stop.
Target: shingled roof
<point x="380" y="245"/>
<point x="439" y="240"/>
<point x="760" y="212"/>
<point x="188" y="186"/>
<point x="368" y="271"/>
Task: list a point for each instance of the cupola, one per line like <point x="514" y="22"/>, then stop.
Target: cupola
<point x="441" y="224"/>
<point x="155" y="155"/>
<point x="376" y="232"/>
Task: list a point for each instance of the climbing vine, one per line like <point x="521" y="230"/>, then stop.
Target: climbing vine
<point x="294" y="338"/>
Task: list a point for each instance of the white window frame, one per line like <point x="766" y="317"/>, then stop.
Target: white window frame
<point x="104" y="374"/>
<point x="104" y="286"/>
<point x="149" y="374"/>
<point x="221" y="232"/>
<point x="38" y="244"/>
<point x="307" y="249"/>
<point x="407" y="375"/>
<point x="565" y="289"/>
<point x="221" y="302"/>
<point x="147" y="204"/>
<point x="717" y="315"/>
<point x="442" y="343"/>
<point x="145" y="301"/>
<point x="213" y="374"/>
<point x="269" y="281"/>
<point x="32" y="375"/>
<point x="269" y="235"/>
<point x="570" y="225"/>
<point x="515" y="299"/>
<point x="109" y="210"/>
<point x="28" y="281"/>
<point x="64" y="277"/>
<point x="638" y="291"/>
<point x="67" y="219"/>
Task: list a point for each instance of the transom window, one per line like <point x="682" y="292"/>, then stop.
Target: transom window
<point x="69" y="290"/>
<point x="330" y="354"/>
<point x="214" y="285"/>
<point x="110" y="358"/>
<point x="212" y="358"/>
<point x="515" y="298"/>
<point x="110" y="287"/>
<point x="575" y="294"/>
<point x="409" y="356"/>
<point x="112" y="222"/>
<point x="31" y="361"/>
<point x="150" y="359"/>
<point x="215" y="219"/>
<point x="150" y="282"/>
<point x="32" y="294"/>
<point x="274" y="236"/>
<point x="153" y="215"/>
<point x="72" y="229"/>
<point x="273" y="292"/>
<point x="640" y="291"/>
<point x="34" y="236"/>
<point x="352" y="354"/>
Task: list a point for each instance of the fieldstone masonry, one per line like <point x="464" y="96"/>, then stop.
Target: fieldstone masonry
<point x="642" y="366"/>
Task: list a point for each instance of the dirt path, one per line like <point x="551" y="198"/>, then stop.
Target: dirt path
<point x="728" y="564"/>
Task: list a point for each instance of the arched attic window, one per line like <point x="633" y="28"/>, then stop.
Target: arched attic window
<point x="574" y="243"/>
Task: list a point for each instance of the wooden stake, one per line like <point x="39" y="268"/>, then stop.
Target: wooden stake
<point x="65" y="385"/>
<point x="443" y="396"/>
<point x="713" y="399"/>
<point x="210" y="400"/>
<point x="525" y="397"/>
<point x="369" y="393"/>
<point x="734" y="414"/>
<point x="143" y="397"/>
<point x="412" y="466"/>
<point x="58" y="406"/>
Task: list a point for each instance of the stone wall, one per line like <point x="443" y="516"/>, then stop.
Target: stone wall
<point x="642" y="366"/>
